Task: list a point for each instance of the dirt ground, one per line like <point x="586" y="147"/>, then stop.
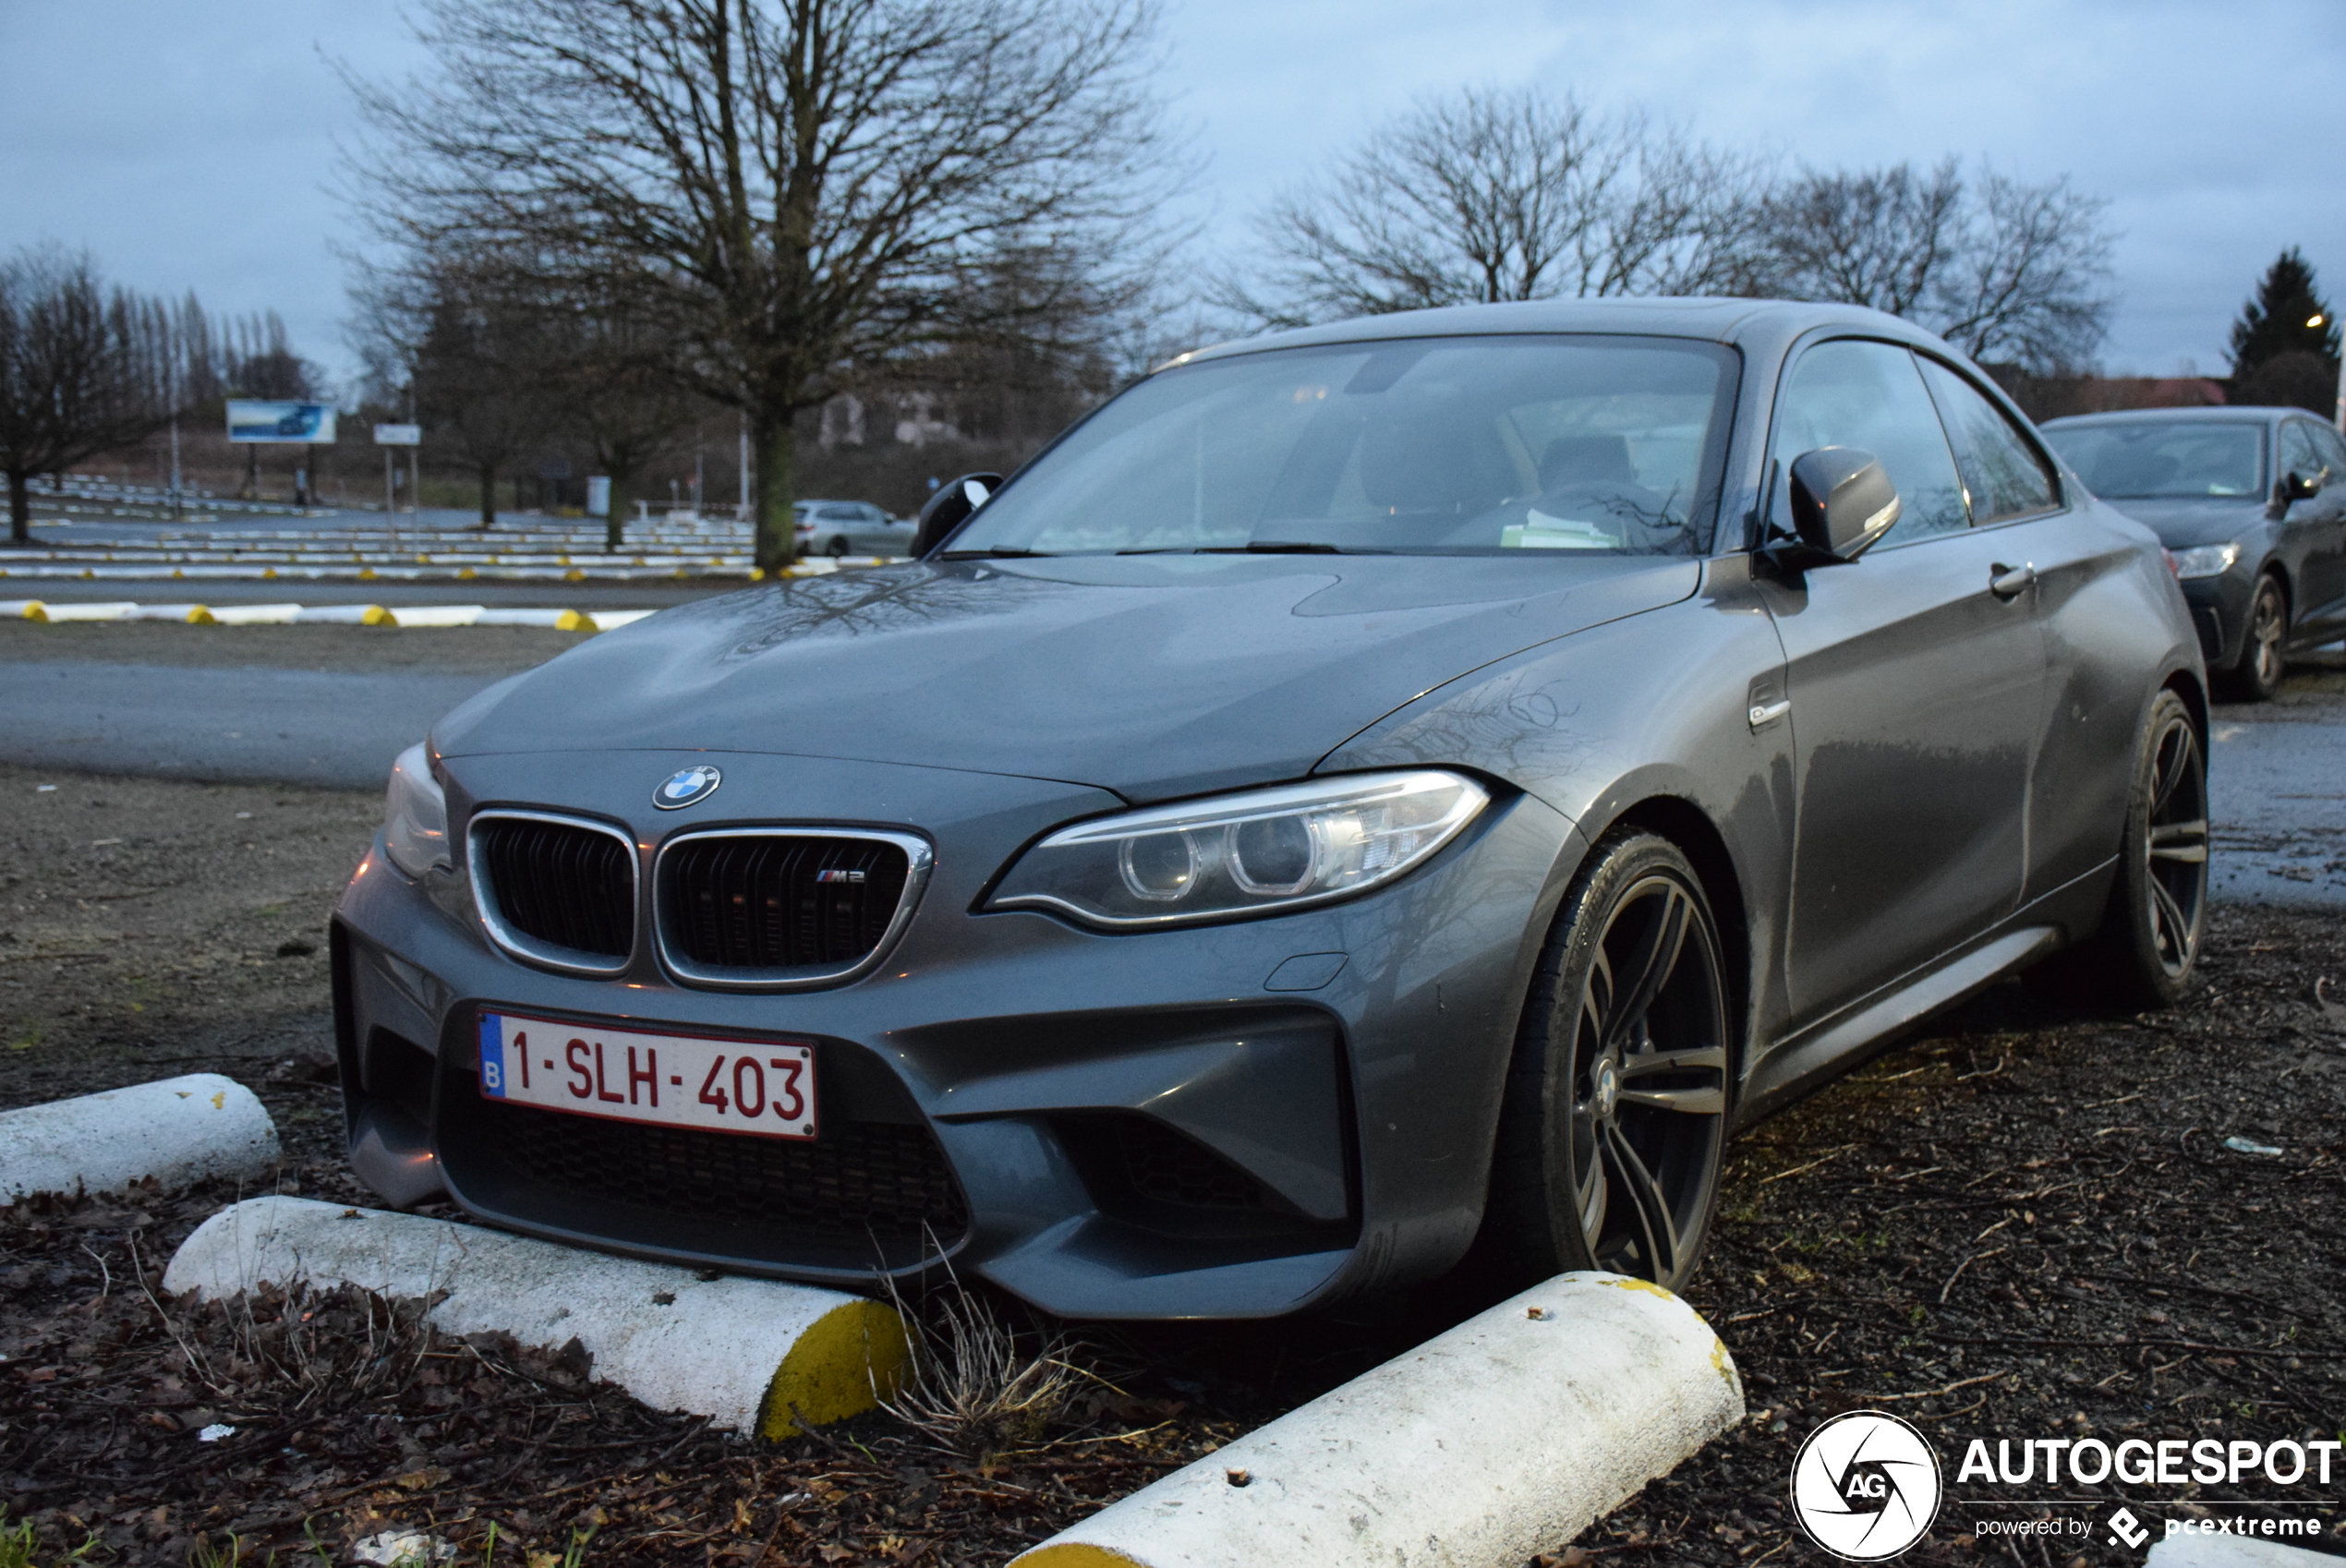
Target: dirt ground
<point x="2023" y="1223"/>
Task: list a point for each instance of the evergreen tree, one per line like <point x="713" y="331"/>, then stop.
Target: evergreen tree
<point x="2286" y="316"/>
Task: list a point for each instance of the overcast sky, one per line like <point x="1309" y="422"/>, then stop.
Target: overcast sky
<point x="191" y="145"/>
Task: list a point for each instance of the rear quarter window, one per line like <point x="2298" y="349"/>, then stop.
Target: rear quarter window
<point x="2003" y="472"/>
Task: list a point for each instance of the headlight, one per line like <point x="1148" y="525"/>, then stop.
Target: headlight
<point x="1240" y="854"/>
<point x="415" y="816"/>
<point x="2206" y="561"/>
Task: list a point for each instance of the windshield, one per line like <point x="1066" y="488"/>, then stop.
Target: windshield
<point x="2165" y="460"/>
<point x="1436" y="446"/>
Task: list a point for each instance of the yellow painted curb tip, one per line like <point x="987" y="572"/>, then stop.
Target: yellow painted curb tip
<point x="847" y="1361"/>
<point x="202" y="616"/>
<point x="1647" y="1286"/>
<point x="571" y="621"/>
<point x="36" y="611"/>
<point x="1075" y="1554"/>
<point x="376" y="615"/>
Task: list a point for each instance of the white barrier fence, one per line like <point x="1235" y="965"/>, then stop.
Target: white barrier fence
<point x="411" y="615"/>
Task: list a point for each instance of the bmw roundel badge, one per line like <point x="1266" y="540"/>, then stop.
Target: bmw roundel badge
<point x="689" y="788"/>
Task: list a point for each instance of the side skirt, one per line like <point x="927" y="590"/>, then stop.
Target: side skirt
<point x="1802" y="1063"/>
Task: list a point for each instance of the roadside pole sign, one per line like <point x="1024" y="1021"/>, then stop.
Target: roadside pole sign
<point x="252" y="422"/>
<point x="387" y="436"/>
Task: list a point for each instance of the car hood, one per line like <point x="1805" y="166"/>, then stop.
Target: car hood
<point x="2196" y="520"/>
<point x="1153" y="676"/>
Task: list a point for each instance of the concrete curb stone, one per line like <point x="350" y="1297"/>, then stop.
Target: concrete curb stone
<point x="756" y="1356"/>
<point x="1498" y="1439"/>
<point x="178" y="1130"/>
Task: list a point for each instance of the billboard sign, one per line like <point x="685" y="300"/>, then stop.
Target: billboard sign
<point x="399" y="435"/>
<point x="281" y="422"/>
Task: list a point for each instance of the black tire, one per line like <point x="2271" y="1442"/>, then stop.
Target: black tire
<point x="2143" y="955"/>
<point x="2255" y="675"/>
<point x="1615" y="1118"/>
<point x="836" y="548"/>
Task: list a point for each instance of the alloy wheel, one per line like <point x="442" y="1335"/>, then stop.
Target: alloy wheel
<point x="1648" y="1091"/>
<point x="2267" y="625"/>
<point x="2176" y="844"/>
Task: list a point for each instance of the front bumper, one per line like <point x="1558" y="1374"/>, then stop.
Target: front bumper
<point x="2219" y="614"/>
<point x="1157" y="1124"/>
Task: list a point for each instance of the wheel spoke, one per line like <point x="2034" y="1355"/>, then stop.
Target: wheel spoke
<point x="1650" y="966"/>
<point x="1703" y="1058"/>
<point x="1596" y="999"/>
<point x="1701" y="1100"/>
<point x="2172" y="928"/>
<point x="2182" y="842"/>
<point x="1708" y="1101"/>
<point x="1652" y="1209"/>
<point x="2174" y="766"/>
<point x="1590" y="1190"/>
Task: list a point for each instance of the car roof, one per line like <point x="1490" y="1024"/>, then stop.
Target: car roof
<point x="1715" y="321"/>
<point x="2222" y="413"/>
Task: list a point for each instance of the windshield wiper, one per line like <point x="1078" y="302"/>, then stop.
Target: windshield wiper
<point x="992" y="552"/>
<point x="1281" y="547"/>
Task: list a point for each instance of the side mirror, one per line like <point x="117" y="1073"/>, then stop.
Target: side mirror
<point x="951" y="507"/>
<point x="2297" y="487"/>
<point x="1842" y="504"/>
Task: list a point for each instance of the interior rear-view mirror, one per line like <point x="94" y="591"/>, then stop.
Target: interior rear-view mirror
<point x="949" y="506"/>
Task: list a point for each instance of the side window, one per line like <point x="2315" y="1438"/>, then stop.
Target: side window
<point x="2332" y="448"/>
<point x="2003" y="472"/>
<point x="2298" y="453"/>
<point x="1868" y="395"/>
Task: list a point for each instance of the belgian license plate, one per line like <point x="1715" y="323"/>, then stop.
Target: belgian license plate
<point x="763" y="1088"/>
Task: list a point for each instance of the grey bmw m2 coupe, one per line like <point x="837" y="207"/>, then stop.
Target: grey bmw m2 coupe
<point x="1365" y="795"/>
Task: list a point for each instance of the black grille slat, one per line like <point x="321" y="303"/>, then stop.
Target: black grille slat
<point x="756" y="901"/>
<point x="569" y="886"/>
<point x="885" y="1181"/>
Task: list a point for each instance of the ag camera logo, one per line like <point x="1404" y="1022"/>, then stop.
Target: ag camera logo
<point x="1866" y="1485"/>
<point x="690" y="786"/>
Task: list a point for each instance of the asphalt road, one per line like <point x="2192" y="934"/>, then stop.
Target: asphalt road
<point x="337" y="727"/>
<point x="2277" y="787"/>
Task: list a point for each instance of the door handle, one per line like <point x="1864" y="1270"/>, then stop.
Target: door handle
<point x="2011" y="582"/>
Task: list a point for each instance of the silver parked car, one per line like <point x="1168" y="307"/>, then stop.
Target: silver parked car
<point x="850" y="527"/>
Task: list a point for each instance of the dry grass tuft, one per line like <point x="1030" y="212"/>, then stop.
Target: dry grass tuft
<point x="978" y="1387"/>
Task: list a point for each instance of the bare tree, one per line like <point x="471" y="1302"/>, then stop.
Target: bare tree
<point x="618" y="392"/>
<point x="480" y="361"/>
<point x="2004" y="269"/>
<point x="83" y="369"/>
<point x="794" y="191"/>
<point x="1494" y="195"/>
<point x="1880" y="237"/>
